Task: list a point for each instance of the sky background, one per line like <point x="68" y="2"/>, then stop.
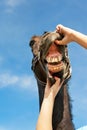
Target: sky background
<point x="19" y="20"/>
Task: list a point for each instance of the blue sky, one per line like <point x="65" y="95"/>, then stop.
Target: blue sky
<point x="19" y="20"/>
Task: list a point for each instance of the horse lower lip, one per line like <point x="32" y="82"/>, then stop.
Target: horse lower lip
<point x="55" y="68"/>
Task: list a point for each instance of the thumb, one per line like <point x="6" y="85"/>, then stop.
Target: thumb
<point x="64" y="41"/>
<point x="59" y="42"/>
<point x="48" y="83"/>
<point x="56" y="87"/>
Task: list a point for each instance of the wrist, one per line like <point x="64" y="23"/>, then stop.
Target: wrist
<point x="72" y="35"/>
<point x="50" y="97"/>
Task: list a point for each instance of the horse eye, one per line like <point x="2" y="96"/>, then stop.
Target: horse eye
<point x="32" y="43"/>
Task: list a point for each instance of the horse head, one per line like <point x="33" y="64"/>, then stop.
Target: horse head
<point x="49" y="58"/>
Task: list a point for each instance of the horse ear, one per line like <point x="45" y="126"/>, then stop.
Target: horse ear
<point x="31" y="43"/>
<point x="45" y="32"/>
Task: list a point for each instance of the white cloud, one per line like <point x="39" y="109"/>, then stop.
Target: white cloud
<point x="12" y="4"/>
<point x="6" y="79"/>
<point x="83" y="128"/>
<point x="25" y="81"/>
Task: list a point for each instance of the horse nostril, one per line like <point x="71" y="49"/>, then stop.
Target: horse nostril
<point x="32" y="43"/>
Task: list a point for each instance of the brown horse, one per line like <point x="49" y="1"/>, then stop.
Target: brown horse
<point x="52" y="60"/>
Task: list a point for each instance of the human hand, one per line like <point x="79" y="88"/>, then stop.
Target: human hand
<point x="66" y="32"/>
<point x="54" y="89"/>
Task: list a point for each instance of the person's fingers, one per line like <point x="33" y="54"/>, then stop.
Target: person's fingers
<point x="48" y="83"/>
<point x="58" y="42"/>
<point x="61" y="83"/>
<point x="60" y="29"/>
<point x="57" y="83"/>
<point x="64" y="41"/>
<point x="56" y="87"/>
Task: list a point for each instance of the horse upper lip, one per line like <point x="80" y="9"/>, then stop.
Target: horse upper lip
<point x="48" y="41"/>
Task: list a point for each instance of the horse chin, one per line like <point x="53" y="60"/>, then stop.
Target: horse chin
<point x="56" y="70"/>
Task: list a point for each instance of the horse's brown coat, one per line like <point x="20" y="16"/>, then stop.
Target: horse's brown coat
<point x="62" y="118"/>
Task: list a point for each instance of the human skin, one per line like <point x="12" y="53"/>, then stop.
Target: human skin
<point x="45" y="117"/>
<point x="71" y="35"/>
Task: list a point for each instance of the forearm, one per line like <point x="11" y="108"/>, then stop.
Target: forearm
<point x="45" y="116"/>
<point x="79" y="38"/>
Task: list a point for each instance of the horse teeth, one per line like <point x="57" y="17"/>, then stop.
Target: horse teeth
<point x="55" y="68"/>
<point x="48" y="59"/>
<point x="53" y="59"/>
<point x="56" y="59"/>
<point x="60" y="58"/>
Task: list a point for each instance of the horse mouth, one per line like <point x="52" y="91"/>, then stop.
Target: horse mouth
<point x="54" y="60"/>
<point x="54" y="64"/>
